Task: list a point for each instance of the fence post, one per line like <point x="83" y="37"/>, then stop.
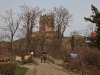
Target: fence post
<point x="82" y="69"/>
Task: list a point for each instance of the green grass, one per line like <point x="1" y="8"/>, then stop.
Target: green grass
<point x="20" y="70"/>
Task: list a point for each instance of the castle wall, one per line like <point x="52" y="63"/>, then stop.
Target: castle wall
<point x="46" y="23"/>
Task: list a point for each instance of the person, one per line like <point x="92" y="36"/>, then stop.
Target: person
<point x="41" y="58"/>
<point x="44" y="57"/>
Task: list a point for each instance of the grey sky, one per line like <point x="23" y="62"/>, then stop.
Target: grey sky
<point x="78" y="8"/>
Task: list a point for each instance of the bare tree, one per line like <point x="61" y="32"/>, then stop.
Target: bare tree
<point x="11" y="24"/>
<point x="90" y="28"/>
<point x="62" y="18"/>
<point x="29" y="17"/>
<point x="2" y="37"/>
<point x="75" y="33"/>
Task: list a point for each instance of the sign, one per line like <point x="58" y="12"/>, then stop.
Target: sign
<point x="72" y="55"/>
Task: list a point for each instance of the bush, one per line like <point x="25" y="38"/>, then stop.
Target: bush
<point x="29" y="60"/>
<point x="67" y="58"/>
<point x="85" y="57"/>
<point x="7" y="68"/>
<point x="91" y="57"/>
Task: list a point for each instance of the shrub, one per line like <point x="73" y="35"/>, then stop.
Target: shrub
<point x="67" y="58"/>
<point x="7" y="68"/>
<point x="91" y="57"/>
<point x="85" y="57"/>
<point x="29" y="60"/>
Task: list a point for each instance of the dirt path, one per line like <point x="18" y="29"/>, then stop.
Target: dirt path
<point x="48" y="69"/>
<point x="44" y="69"/>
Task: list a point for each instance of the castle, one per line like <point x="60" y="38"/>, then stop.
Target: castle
<point x="46" y="37"/>
<point x="46" y="25"/>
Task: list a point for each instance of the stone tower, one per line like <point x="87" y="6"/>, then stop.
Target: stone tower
<point x="46" y="23"/>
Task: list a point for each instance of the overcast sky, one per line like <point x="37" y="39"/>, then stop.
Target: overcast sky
<point x="78" y="8"/>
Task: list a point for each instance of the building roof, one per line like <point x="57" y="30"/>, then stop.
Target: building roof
<point x="93" y="34"/>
